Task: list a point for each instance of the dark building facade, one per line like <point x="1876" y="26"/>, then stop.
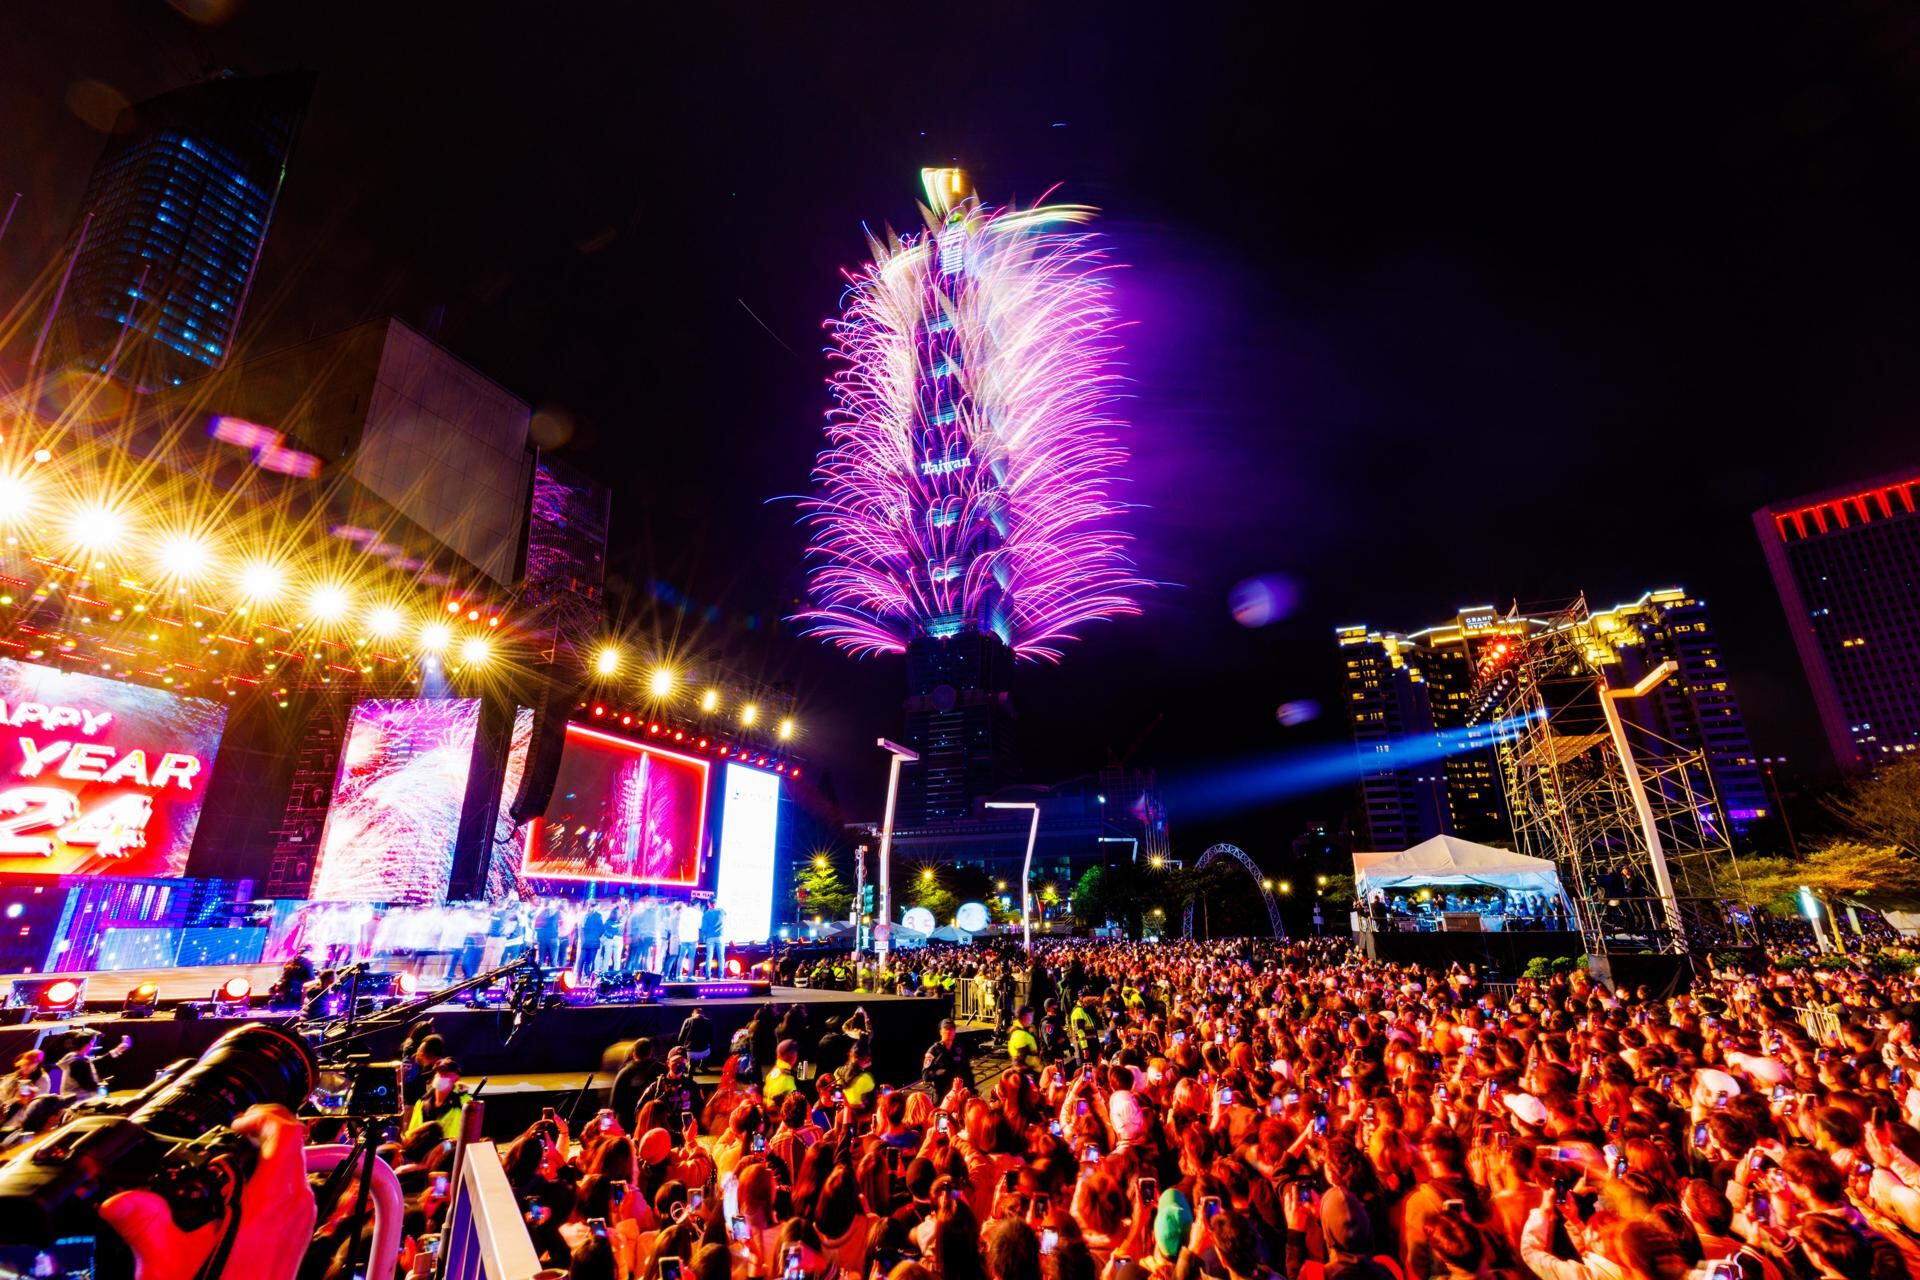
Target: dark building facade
<point x="172" y="224"/>
<point x="1847" y="566"/>
<point x="959" y="718"/>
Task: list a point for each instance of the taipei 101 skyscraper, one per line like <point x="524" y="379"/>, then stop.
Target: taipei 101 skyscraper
<point x="965" y="509"/>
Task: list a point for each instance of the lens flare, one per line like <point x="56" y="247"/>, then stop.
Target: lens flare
<point x="16" y="496"/>
<point x="475" y="652"/>
<point x="185" y="556"/>
<point x="262" y="580"/>
<point x="384" y="622"/>
<point x="749" y="714"/>
<point x="607" y="661"/>
<point x="435" y="637"/>
<point x="328" y="602"/>
<point x="660" y="683"/>
<point x="98" y="527"/>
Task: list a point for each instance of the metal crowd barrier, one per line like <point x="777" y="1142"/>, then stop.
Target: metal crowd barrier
<point x="1821" y="1024"/>
<point x="485" y="1237"/>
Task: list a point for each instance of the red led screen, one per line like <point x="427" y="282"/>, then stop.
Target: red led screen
<point x="99" y="776"/>
<point x="620" y="811"/>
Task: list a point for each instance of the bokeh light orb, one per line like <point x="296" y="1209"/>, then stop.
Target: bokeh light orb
<point x="1262" y="601"/>
<point x="1298" y="712"/>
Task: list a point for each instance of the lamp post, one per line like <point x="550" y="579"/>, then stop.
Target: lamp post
<point x="883" y="927"/>
<point x="1026" y="871"/>
<point x="1656" y="851"/>
<point x="1132" y="840"/>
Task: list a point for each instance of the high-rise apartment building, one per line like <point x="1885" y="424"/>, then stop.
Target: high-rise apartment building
<point x="172" y="224"/>
<point x="1847" y="566"/>
<point x="1412" y="694"/>
<point x="1404" y="693"/>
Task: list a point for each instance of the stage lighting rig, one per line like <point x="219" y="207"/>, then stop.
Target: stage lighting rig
<point x="232" y="998"/>
<point x="141" y="1001"/>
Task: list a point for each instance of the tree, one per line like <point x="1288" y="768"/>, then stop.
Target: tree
<point x="1842" y="869"/>
<point x="931" y="892"/>
<point x="1885" y="807"/>
<point x="827" y="895"/>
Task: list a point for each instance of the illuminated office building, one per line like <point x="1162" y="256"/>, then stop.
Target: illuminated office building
<point x="1847" y="566"/>
<point x="1420" y="683"/>
<point x="172" y="224"/>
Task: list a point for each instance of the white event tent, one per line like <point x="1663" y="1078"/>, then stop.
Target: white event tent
<point x="1448" y="861"/>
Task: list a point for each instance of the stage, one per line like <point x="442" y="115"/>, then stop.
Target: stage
<point x="1502" y="955"/>
<point x="552" y="1055"/>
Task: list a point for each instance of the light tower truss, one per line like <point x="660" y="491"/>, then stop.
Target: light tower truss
<point x="1607" y="802"/>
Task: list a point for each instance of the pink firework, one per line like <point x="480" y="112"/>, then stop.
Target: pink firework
<point x="969" y="480"/>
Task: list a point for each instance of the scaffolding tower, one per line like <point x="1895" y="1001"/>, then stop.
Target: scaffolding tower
<point x="1629" y="815"/>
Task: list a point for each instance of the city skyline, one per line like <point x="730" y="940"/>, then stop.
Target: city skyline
<point x="1275" y="358"/>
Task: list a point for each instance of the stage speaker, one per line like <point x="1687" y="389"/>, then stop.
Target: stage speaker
<point x="550" y="713"/>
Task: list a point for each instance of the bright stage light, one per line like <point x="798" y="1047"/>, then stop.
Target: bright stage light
<point x="97" y="527"/>
<point x="786" y="729"/>
<point x="710" y="700"/>
<point x="749" y="714"/>
<point x="475" y="652"/>
<point x="384" y="622"/>
<point x="660" y="683"/>
<point x="328" y="603"/>
<point x="435" y="637"/>
<point x="261" y="581"/>
<point x="607" y="661"/>
<point x="185" y="556"/>
<point x="16" y="496"/>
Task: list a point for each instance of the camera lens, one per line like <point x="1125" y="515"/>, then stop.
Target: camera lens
<point x="246" y="1067"/>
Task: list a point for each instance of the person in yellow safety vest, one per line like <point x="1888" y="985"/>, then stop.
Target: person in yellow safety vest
<point x="859" y="1086"/>
<point x="783" y="1077"/>
<point x="439" y="1115"/>
<point x="1023" y="1047"/>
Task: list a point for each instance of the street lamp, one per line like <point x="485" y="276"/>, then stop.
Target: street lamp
<point x="1267" y="885"/>
<point x="1132" y="840"/>
<point x="1286" y="886"/>
<point x="883" y="927"/>
<point x="1026" y="872"/>
<point x="1656" y="852"/>
<point x="819" y="862"/>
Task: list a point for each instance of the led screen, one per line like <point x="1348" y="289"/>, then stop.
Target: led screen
<point x="620" y="811"/>
<point x="100" y="777"/>
<point x="396" y="805"/>
<point x="503" y="859"/>
<point x="747" y="827"/>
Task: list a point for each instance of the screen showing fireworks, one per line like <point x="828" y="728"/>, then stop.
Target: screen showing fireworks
<point x="395" y="814"/>
<point x="100" y="777"/>
<point x="620" y="811"/>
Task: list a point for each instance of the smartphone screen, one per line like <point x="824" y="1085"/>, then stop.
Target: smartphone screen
<point x="1149" y="1191"/>
<point x="940" y="1123"/>
<point x="1048" y="1239"/>
<point x="1320" y="1125"/>
<point x="440" y="1184"/>
<point x="741" y="1232"/>
<point x="695" y="1199"/>
<point x="669" y="1268"/>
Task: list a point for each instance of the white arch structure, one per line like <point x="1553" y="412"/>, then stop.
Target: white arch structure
<point x="1253" y="873"/>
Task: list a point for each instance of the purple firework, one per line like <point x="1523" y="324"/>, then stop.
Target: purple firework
<point x="969" y="480"/>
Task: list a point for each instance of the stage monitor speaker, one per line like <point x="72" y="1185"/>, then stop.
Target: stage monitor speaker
<point x="543" y="752"/>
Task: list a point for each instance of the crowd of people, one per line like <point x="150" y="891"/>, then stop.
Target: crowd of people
<point x="1249" y="1110"/>
<point x="1238" y="1110"/>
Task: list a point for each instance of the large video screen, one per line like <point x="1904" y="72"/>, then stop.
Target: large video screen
<point x="620" y="811"/>
<point x="395" y="814"/>
<point x="748" y="825"/>
<point x="503" y="858"/>
<point x="100" y="777"/>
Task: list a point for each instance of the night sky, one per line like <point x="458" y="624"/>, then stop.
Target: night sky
<point x="1432" y="305"/>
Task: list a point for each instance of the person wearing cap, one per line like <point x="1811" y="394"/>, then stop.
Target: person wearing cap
<point x="946" y="1061"/>
<point x="1172" y="1225"/>
<point x="439" y="1114"/>
<point x="677" y="1089"/>
<point x="784" y="1076"/>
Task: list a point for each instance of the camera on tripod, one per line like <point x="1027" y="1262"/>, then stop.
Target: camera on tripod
<point x="360" y="1088"/>
<point x="173" y="1139"/>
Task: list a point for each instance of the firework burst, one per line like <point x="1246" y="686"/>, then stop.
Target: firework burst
<point x="969" y="478"/>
